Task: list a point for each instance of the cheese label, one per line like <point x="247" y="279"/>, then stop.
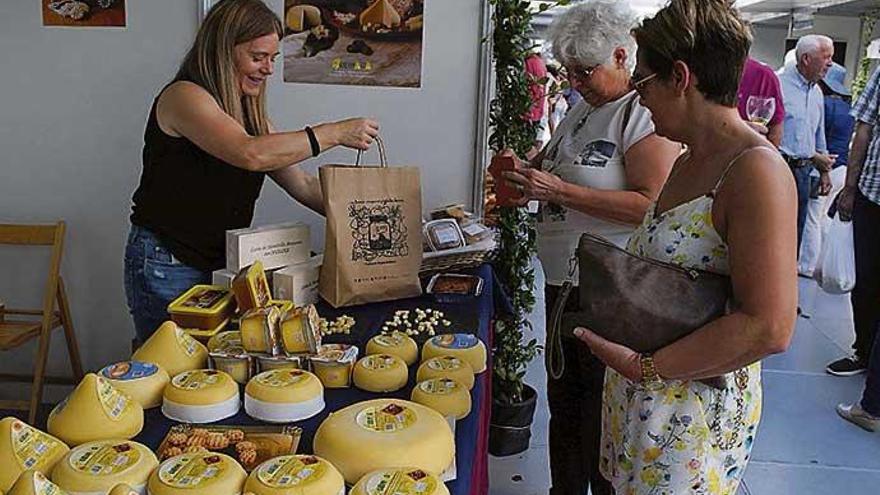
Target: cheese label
<point x="192" y="471"/>
<point x="279" y="378"/>
<point x="42" y="486"/>
<point x="129" y="370"/>
<point x="413" y="482"/>
<point x="227" y="343"/>
<point x="112" y="401"/>
<point x="187" y="343"/>
<point x="386" y="419"/>
<point x="456" y="341"/>
<point x="444" y="363"/>
<point x="392" y="340"/>
<point x="204" y="300"/>
<point x="104" y="459"/>
<point x="378" y="362"/>
<point x="196" y="379"/>
<point x="441" y="386"/>
<point x="289" y="471"/>
<point x="30" y="445"/>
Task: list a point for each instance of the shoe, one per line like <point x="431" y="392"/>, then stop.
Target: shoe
<point x="857" y="416"/>
<point x="847" y="366"/>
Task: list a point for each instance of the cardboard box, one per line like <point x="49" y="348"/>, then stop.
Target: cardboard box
<point x="298" y="283"/>
<point x="275" y="245"/>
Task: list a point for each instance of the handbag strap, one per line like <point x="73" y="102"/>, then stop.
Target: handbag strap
<point x="554" y="358"/>
<point x="383" y="158"/>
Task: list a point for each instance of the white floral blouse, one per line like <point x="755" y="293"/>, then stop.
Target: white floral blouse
<point x="686" y="438"/>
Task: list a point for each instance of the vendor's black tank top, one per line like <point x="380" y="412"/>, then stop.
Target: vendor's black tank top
<point x="189" y="198"/>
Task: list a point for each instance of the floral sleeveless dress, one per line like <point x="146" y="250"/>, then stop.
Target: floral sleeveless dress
<point x="686" y="438"/>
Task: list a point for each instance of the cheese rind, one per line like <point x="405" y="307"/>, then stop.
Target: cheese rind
<point x="190" y="474"/>
<point x="173" y="350"/>
<point x="24" y="447"/>
<point x="34" y="483"/>
<point x="251" y="287"/>
<point x="397" y="344"/>
<point x="300" y="331"/>
<point x="95" y="410"/>
<point x="447" y="367"/>
<point x="400" y="481"/>
<point x="99" y="466"/>
<point x="295" y="475"/>
<point x="444" y="395"/>
<point x="123" y="489"/>
<point x="386" y="433"/>
<point x="143" y="382"/>
<point x="380" y="373"/>
<point x="465" y="346"/>
<point x="302" y="17"/>
<point x="284" y="396"/>
<point x="201" y="396"/>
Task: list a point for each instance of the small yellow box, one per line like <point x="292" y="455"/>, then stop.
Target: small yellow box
<point x="251" y="287"/>
<point x="204" y="307"/>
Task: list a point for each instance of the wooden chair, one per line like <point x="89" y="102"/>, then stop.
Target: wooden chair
<point x="28" y="324"/>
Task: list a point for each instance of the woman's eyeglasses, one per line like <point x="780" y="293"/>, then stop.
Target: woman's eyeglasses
<point x="582" y="74"/>
<point x="638" y="82"/>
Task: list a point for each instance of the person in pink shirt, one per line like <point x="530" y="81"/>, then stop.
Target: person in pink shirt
<point x="760" y="80"/>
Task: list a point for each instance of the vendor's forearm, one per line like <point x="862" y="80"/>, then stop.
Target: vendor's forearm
<point x="278" y="150"/>
<point x="627" y="207"/>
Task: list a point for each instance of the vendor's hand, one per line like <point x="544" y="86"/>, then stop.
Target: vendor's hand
<point x="824" y="184"/>
<point x="536" y="184"/>
<point x="823" y="162"/>
<point x="507" y="152"/>
<point x="845" y="200"/>
<point x="357" y="133"/>
<point x="620" y="358"/>
<point x="760" y="129"/>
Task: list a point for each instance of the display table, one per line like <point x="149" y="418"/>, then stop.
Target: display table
<point x="472" y="315"/>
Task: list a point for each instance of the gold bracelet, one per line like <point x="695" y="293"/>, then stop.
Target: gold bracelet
<point x="650" y="378"/>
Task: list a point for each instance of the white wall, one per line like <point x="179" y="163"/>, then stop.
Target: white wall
<point x="73" y="104"/>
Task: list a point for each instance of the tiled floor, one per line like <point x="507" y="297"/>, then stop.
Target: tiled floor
<point x="802" y="448"/>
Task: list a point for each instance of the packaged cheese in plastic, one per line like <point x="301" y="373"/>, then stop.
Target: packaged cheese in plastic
<point x="251" y="287"/>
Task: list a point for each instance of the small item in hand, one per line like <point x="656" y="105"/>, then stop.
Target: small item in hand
<point x="505" y="193"/>
<point x="444" y="234"/>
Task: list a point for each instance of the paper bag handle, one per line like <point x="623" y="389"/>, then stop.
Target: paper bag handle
<point x="383" y="159"/>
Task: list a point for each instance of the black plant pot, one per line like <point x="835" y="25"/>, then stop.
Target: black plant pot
<point x="511" y="426"/>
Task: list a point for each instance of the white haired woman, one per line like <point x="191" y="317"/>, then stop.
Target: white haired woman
<point x="599" y="173"/>
<point x="208" y="146"/>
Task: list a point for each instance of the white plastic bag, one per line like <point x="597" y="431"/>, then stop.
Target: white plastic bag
<point x="836" y="269"/>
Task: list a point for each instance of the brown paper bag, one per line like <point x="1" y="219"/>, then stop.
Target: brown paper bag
<point x="373" y="243"/>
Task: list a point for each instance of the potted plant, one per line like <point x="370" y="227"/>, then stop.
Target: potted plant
<point x="513" y="401"/>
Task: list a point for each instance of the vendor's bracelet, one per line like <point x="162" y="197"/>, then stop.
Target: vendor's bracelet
<point x="313" y="141"/>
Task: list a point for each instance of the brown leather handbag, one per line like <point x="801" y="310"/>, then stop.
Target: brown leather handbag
<point x="635" y="301"/>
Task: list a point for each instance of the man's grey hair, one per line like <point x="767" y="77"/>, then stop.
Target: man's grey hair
<point x="588" y="33"/>
<point x="811" y="43"/>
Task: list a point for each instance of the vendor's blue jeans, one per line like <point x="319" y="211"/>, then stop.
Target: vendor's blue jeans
<point x="154" y="278"/>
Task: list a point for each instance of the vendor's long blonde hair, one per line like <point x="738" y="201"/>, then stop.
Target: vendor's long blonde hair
<point x="210" y="62"/>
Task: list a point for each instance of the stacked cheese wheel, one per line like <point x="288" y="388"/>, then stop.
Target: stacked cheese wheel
<point x="464" y="346"/>
<point x="396" y="343"/>
<point x="284" y="396"/>
<point x="380" y="373"/>
<point x="447" y="367"/>
<point x="444" y="395"/>
<point x="201" y="396"/>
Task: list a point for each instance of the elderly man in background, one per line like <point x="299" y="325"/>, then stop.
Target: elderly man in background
<point x="803" y="137"/>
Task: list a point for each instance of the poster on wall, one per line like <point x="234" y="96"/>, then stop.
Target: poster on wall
<point x="354" y="42"/>
<point x="84" y="13"/>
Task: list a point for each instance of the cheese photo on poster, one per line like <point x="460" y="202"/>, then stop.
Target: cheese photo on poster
<point x="353" y="42"/>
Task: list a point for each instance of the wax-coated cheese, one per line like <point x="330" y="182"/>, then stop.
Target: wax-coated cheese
<point x="195" y="474"/>
<point x="123" y="489"/>
<point x="380" y="373"/>
<point x="397" y="344"/>
<point x="173" y="350"/>
<point x="201" y="396"/>
<point x="251" y="287"/>
<point x="95" y="410"/>
<point x="96" y="467"/>
<point x="34" y="483"/>
<point x="24" y="447"/>
<point x="300" y="330"/>
<point x="143" y="382"/>
<point x="284" y="396"/>
<point x="385" y="433"/>
<point x="295" y="475"/>
<point x="400" y="481"/>
<point x="461" y="345"/>
<point x="447" y="367"/>
<point x="444" y="395"/>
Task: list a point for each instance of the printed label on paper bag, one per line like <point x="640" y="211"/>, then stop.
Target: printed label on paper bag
<point x="378" y="231"/>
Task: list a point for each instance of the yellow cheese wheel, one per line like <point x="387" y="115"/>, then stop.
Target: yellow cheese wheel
<point x="465" y="346"/>
<point x="201" y="396"/>
<point x="192" y="474"/>
<point x="24" y="447"/>
<point x="444" y="395"/>
<point x="173" y="350"/>
<point x="447" y="367"/>
<point x="95" y="410"/>
<point x="96" y="467"/>
<point x="143" y="382"/>
<point x="397" y="344"/>
<point x="385" y="433"/>
<point x="295" y="475"/>
<point x="380" y="373"/>
<point x="284" y="396"/>
<point x="123" y="489"/>
<point x="302" y="17"/>
<point x="35" y="483"/>
<point x="400" y="481"/>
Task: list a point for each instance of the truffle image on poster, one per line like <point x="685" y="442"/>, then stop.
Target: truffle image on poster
<point x="84" y="13"/>
<point x="353" y="42"/>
